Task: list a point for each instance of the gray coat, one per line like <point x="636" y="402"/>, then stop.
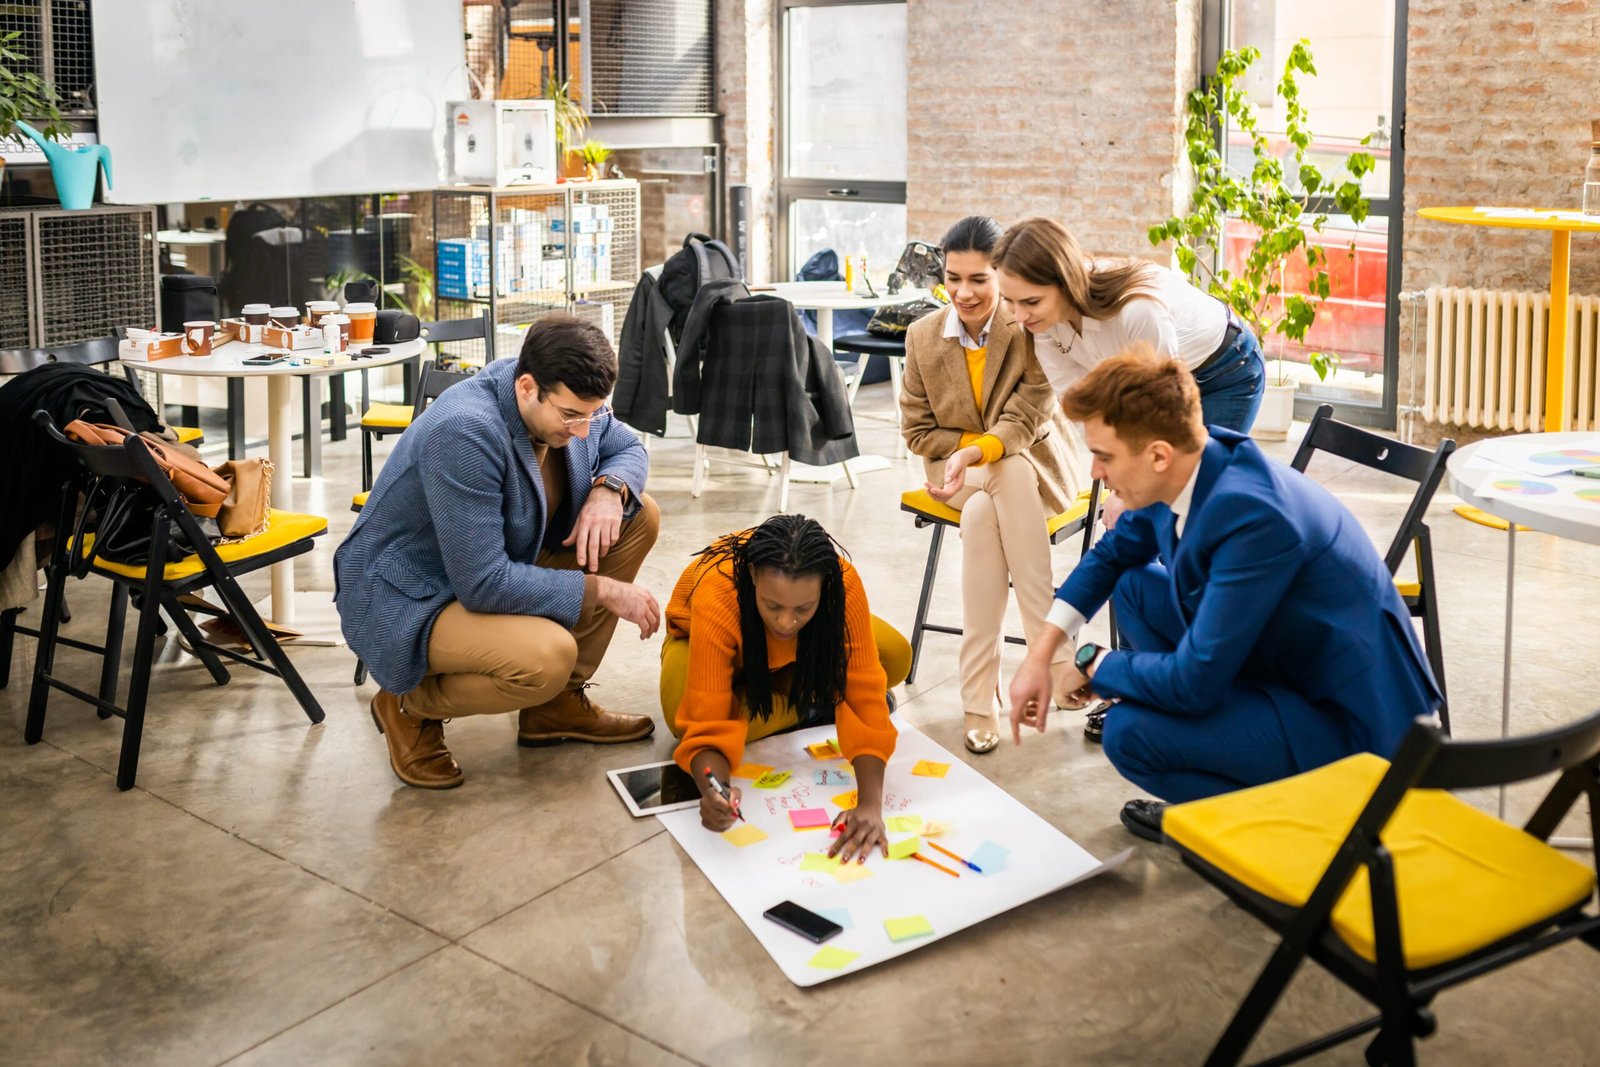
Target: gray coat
<point x="458" y="513"/>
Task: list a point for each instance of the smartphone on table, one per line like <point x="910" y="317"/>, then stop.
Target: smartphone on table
<point x="808" y="924"/>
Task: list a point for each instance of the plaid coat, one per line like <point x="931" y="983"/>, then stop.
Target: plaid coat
<point x="758" y="382"/>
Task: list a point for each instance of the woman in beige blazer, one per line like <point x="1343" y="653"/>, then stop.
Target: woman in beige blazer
<point x="975" y="405"/>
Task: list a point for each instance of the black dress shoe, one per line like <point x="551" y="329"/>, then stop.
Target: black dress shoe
<point x="1143" y="818"/>
<point x="1094" y="726"/>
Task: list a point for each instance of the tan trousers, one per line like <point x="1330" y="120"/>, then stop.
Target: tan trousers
<point x="1003" y="541"/>
<point x="484" y="664"/>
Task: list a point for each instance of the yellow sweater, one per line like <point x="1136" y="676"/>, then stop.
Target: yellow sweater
<point x="988" y="443"/>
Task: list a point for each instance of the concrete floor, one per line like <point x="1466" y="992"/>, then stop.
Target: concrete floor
<point x="270" y="893"/>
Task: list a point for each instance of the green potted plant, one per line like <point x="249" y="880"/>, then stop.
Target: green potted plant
<point x="572" y="122"/>
<point x="24" y="95"/>
<point x="595" y="154"/>
<point x="1273" y="199"/>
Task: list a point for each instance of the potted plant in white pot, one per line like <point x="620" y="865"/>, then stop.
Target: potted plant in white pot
<point x="1273" y="198"/>
<point x="24" y="95"/>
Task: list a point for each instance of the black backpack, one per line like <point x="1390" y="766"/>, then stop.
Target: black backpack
<point x="700" y="260"/>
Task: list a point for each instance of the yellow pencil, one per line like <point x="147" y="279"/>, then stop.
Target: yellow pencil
<point x="930" y="863"/>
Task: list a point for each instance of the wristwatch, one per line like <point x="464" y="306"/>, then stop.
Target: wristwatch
<point x="1086" y="657"/>
<point x="612" y="482"/>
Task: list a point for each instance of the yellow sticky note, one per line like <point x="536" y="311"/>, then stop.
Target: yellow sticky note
<point x="825" y="750"/>
<point x="819" y="861"/>
<point x="901" y="850"/>
<point x="751" y="770"/>
<point x="907" y="928"/>
<point x="934" y="829"/>
<point x="852" y="872"/>
<point x="846" y="800"/>
<point x="904" y="824"/>
<point x="743" y="834"/>
<point x="772" y="779"/>
<point x="832" y="959"/>
<point x="929" y="769"/>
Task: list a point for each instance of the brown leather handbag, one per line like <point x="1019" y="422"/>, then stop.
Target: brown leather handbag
<point x="202" y="489"/>
<point x="244" y="510"/>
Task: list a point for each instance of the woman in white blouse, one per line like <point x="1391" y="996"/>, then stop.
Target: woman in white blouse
<point x="1082" y="311"/>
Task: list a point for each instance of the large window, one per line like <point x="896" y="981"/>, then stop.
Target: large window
<point x="1358" y="94"/>
<point x="842" y="132"/>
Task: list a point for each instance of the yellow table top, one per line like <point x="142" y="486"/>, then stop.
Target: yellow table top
<point x="1545" y="219"/>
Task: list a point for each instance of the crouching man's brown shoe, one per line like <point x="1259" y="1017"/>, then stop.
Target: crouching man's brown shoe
<point x="416" y="745"/>
<point x="571" y="716"/>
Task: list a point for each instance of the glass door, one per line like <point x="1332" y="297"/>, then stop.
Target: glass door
<point x="842" y="133"/>
<point x="1358" y="93"/>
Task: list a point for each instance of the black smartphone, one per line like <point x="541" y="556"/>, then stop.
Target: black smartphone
<point x="808" y="924"/>
<point x="379" y="351"/>
<point x="262" y="361"/>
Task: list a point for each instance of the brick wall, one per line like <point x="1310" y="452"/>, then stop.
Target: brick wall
<point x="745" y="98"/>
<point x="1499" y="94"/>
<point x="1052" y="108"/>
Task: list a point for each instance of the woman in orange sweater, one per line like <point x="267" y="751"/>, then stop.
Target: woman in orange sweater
<point x="768" y="630"/>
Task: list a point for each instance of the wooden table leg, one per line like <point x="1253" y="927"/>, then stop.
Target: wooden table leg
<point x="1555" y="359"/>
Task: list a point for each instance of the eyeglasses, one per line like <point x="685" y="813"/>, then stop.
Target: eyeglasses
<point x="585" y="420"/>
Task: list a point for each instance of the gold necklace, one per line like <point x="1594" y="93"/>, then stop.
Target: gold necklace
<point x="1066" y="349"/>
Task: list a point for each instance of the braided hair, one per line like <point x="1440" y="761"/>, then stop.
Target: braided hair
<point x="794" y="546"/>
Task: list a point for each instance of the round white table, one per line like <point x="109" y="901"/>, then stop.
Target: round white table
<point x="225" y="363"/>
<point x="825" y="298"/>
<point x="1500" y="476"/>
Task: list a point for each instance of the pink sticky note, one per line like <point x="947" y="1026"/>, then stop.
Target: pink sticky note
<point x="808" y="818"/>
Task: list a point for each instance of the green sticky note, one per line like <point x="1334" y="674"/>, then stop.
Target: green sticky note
<point x="904" y="824"/>
<point x="772" y="779"/>
<point x="819" y="861"/>
<point x="907" y="928"/>
<point x="902" y="850"/>
<point x="832" y="959"/>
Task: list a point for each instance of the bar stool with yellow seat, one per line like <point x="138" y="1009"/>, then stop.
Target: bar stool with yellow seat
<point x="112" y="472"/>
<point x="930" y="512"/>
<point x="380" y="420"/>
<point x="1395" y="886"/>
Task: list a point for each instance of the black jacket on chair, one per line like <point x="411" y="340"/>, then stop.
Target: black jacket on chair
<point x="641" y="395"/>
<point x="758" y="382"/>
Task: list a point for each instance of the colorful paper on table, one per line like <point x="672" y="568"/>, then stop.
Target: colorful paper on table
<point x="772" y="779"/>
<point x="838" y="915"/>
<point x="825" y="750"/>
<point x="989" y="857"/>
<point x="934" y="829"/>
<point x="852" y="872"/>
<point x="1588" y="496"/>
<point x="903" y="850"/>
<point x="1508" y="487"/>
<point x="846" y="800"/>
<point x="832" y="777"/>
<point x="809" y="818"/>
<point x="929" y="769"/>
<point x="833" y="959"/>
<point x="744" y="834"/>
<point x="907" y="928"/>
<point x="819" y="861"/>
<point x="751" y="770"/>
<point x="904" y="824"/>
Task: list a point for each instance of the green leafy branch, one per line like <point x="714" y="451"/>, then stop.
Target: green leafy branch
<point x="25" y="95"/>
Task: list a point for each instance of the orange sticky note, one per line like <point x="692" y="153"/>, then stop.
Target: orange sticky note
<point x="930" y="769"/>
<point x="824" y="750"/>
<point x="751" y="770"/>
<point x="846" y="800"/>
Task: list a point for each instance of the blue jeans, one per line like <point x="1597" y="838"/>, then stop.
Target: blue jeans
<point x="1232" y="385"/>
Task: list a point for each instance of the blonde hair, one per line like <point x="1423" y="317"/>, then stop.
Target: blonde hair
<point x="1142" y="395"/>
<point x="1044" y="252"/>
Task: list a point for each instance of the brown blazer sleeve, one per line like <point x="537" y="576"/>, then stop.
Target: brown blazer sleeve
<point x="1024" y="417"/>
<point x="923" y="434"/>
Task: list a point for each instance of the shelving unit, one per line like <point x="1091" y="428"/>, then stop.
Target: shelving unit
<point x="527" y="251"/>
<point x="69" y="276"/>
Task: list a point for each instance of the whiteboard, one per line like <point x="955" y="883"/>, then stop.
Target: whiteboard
<point x="979" y="819"/>
<point x="244" y="99"/>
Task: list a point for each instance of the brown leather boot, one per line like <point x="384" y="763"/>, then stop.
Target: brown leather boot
<point x="416" y="745"/>
<point x="571" y="716"/>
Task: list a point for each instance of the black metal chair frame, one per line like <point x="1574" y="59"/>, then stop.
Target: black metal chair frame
<point x="106" y="470"/>
<point x="1414" y="463"/>
<point x="1427" y="759"/>
<point x="1085" y="525"/>
<point x="95" y="352"/>
<point x="434" y="333"/>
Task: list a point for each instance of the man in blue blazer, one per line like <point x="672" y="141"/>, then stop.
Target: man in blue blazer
<point x="497" y="552"/>
<point x="1267" y="636"/>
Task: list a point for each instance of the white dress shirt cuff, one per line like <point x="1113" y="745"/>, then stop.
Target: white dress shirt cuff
<point x="1066" y="618"/>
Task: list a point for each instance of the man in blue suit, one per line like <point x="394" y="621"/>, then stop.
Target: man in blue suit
<point x="497" y="552"/>
<point x="1267" y="636"/>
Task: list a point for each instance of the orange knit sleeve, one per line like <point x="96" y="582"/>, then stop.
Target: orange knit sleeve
<point x="709" y="713"/>
<point x="863" y="716"/>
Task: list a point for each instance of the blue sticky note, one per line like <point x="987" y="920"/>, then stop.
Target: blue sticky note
<point x="838" y="915"/>
<point x="989" y="857"/>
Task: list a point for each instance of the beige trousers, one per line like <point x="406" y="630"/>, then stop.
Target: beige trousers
<point x="1003" y="540"/>
<point x="484" y="664"/>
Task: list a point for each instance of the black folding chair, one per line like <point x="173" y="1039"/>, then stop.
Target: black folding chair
<point x="102" y="352"/>
<point x="156" y="584"/>
<point x="1451" y="892"/>
<point x="1426" y="468"/>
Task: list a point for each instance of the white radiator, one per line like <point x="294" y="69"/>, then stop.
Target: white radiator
<point x="1485" y="359"/>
